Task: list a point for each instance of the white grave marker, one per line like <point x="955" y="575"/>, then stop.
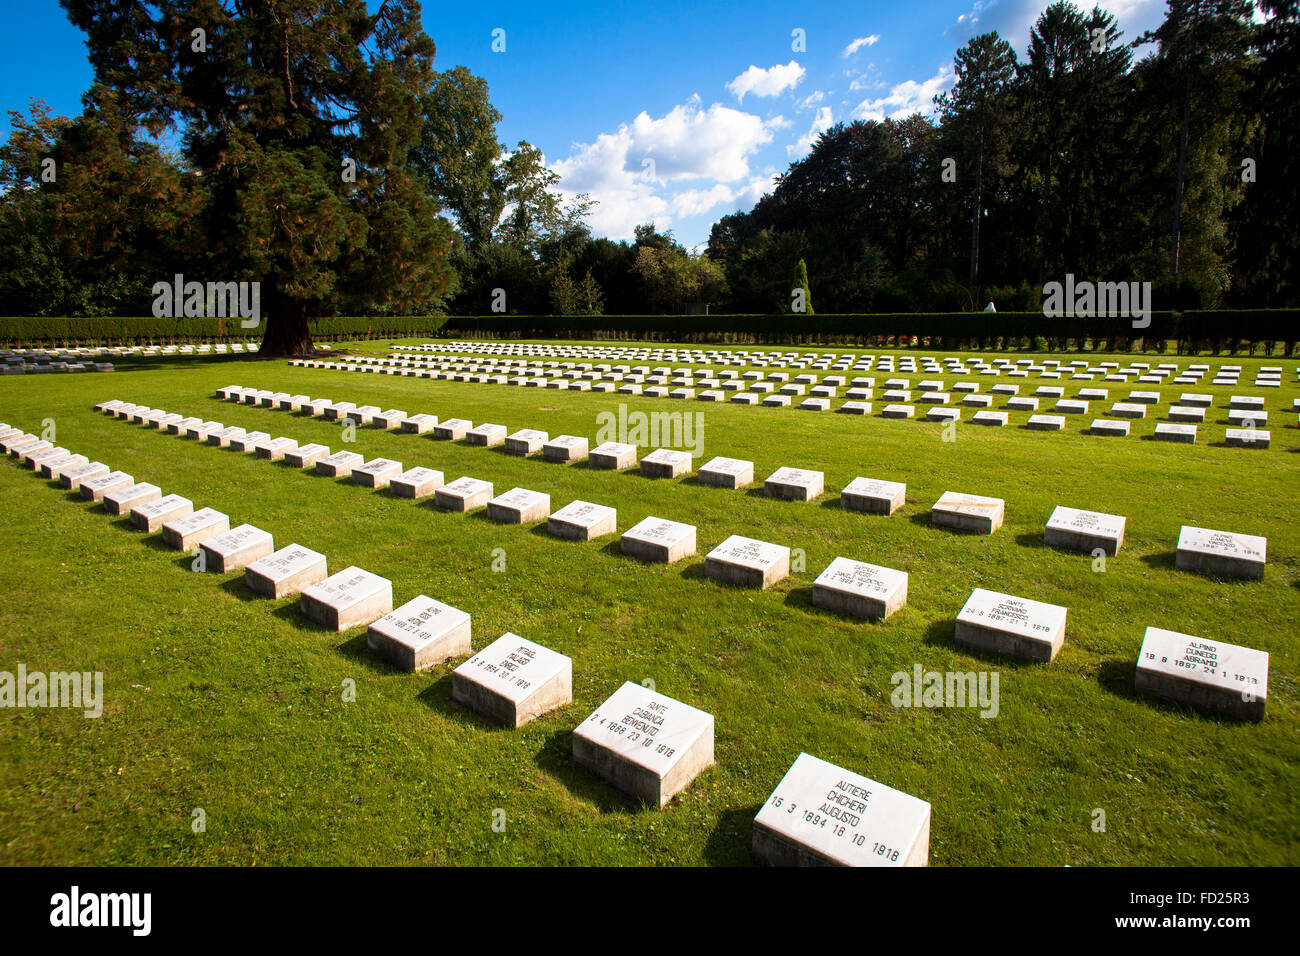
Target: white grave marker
<point x="645" y="743"/>
<point x="822" y="815"/>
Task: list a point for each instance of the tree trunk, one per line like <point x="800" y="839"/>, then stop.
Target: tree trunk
<point x="975" y="221"/>
<point x="286" y="333"/>
<point x="1182" y="166"/>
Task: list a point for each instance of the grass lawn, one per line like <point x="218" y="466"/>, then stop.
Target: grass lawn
<point x="222" y="700"/>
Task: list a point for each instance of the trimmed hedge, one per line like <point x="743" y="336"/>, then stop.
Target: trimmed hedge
<point x="1226" y="330"/>
<point x="110" y="330"/>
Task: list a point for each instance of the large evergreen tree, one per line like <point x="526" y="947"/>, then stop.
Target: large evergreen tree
<point x="976" y="117"/>
<point x="299" y="116"/>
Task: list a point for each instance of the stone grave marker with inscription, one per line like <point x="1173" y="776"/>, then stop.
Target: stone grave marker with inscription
<point x="519" y="506"/>
<point x="376" y="473"/>
<point x="416" y="483"/>
<point x="747" y="562"/>
<point x="582" y="521"/>
<point x="195" y="528"/>
<point x="1087" y="531"/>
<point x="513" y="681"/>
<point x="94" y="489"/>
<point x="1203" y="674"/>
<point x="121" y="501"/>
<point x="614" y="455"/>
<point x="1011" y="626"/>
<point x="1225" y="554"/>
<point x="794" y="484"/>
<point x="645" y="743"/>
<point x="860" y="589"/>
<point x="658" y="539"/>
<point x="463" y="494"/>
<point x="565" y="449"/>
<point x="822" y="815"/>
<point x="236" y="549"/>
<point x="305" y="456"/>
<point x="152" y="515"/>
<point x="963" y="512"/>
<point x="339" y="464"/>
<point x="349" y="598"/>
<point x="525" y="442"/>
<point x="286" y="571"/>
<point x="420" y="634"/>
<point x="666" y="463"/>
<point x="730" y="473"/>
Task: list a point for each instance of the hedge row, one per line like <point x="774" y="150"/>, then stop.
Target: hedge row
<point x="109" y="330"/>
<point x="1216" y="331"/>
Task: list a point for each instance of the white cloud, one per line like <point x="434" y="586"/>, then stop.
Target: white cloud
<point x="753" y="190"/>
<point x="778" y="122"/>
<point x="693" y="202"/>
<point x="635" y="173"/>
<point x="801" y="147"/>
<point x="1013" y="19"/>
<point x="906" y="98"/>
<point x="859" y="43"/>
<point x="769" y="82"/>
<point x="868" y="79"/>
<point x="809" y="101"/>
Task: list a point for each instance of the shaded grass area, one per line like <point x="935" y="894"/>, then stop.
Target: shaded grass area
<point x="220" y="700"/>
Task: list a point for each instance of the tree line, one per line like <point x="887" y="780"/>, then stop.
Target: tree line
<point x="312" y="147"/>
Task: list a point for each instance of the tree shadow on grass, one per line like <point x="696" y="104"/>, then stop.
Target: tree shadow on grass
<point x="556" y="760"/>
<point x="731" y="838"/>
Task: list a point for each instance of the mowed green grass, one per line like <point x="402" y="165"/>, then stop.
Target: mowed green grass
<point x="220" y="700"/>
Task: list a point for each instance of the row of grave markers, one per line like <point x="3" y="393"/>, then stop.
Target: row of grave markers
<point x="1245" y="413"/>
<point x="1221" y="553"/>
<point x="1228" y="373"/>
<point x="645" y="743"/>
<point x="1049" y="370"/>
<point x="990" y="621"/>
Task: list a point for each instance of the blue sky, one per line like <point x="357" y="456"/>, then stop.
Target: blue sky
<point x="671" y="112"/>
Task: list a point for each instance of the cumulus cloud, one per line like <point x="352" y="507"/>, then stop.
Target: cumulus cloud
<point x="637" y="172"/>
<point x="769" y="82"/>
<point x="906" y="98"/>
<point x="1012" y="19"/>
<point x="859" y="43"/>
<point x="801" y="147"/>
